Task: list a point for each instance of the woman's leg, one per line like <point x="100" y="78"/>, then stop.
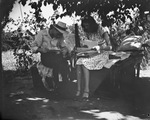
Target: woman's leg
<point x="78" y="72"/>
<point x="87" y="80"/>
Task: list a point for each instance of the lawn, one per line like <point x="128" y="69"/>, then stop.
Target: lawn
<point x="9" y="61"/>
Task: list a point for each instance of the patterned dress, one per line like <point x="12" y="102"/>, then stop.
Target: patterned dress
<point x="98" y="61"/>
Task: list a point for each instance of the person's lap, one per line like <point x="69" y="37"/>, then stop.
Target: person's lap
<point x="57" y="62"/>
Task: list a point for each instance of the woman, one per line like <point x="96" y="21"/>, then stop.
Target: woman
<point x="93" y="32"/>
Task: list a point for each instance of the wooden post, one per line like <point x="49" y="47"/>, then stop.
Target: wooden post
<point x="1" y="67"/>
<point x="77" y="39"/>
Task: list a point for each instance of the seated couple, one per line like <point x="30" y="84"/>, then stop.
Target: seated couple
<point x="55" y="45"/>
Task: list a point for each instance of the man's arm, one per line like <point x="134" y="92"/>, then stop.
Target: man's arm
<point x="35" y="47"/>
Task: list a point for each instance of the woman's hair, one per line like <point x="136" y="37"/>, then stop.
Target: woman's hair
<point x="92" y="24"/>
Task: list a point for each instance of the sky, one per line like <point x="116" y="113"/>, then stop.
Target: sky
<point x="47" y="11"/>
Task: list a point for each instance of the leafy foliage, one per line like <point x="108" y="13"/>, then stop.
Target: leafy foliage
<point x="6" y="7"/>
<point x="21" y="51"/>
<point x="6" y="41"/>
<point x="120" y="10"/>
<point x="21" y="39"/>
<point x="102" y="7"/>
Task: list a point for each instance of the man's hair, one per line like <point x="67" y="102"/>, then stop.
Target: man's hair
<point x="92" y="24"/>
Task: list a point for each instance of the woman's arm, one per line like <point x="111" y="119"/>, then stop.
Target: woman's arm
<point x="108" y="44"/>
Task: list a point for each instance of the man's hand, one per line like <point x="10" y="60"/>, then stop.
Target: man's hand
<point x="64" y="51"/>
<point x="34" y="49"/>
<point x="40" y="50"/>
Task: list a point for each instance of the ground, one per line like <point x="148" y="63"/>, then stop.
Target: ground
<point x="20" y="101"/>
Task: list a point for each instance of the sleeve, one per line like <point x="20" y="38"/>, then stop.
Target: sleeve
<point x="104" y="31"/>
<point x="69" y="42"/>
<point x="37" y="42"/>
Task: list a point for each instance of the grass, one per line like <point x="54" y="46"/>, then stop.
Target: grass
<point x="9" y="61"/>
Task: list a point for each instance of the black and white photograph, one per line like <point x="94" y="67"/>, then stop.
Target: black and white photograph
<point x="75" y="59"/>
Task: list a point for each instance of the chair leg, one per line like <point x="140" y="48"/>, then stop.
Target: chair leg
<point x="138" y="70"/>
<point x="37" y="79"/>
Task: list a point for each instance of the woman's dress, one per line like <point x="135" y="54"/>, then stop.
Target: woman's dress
<point x="97" y="61"/>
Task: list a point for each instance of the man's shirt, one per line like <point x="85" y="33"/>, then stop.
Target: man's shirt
<point x="44" y="41"/>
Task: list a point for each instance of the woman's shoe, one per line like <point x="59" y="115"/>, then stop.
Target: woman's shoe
<point x="78" y="93"/>
<point x="85" y="95"/>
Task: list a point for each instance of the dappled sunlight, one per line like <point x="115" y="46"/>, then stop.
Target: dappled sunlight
<point x="16" y="93"/>
<point x="71" y="118"/>
<point x="19" y="100"/>
<point x="91" y="111"/>
<point x="35" y="98"/>
<point x="44" y="100"/>
<point x="25" y="97"/>
<point x="44" y="106"/>
<point x="109" y="115"/>
<point x="32" y="99"/>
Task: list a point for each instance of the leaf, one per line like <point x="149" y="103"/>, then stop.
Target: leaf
<point x="55" y="6"/>
<point x="45" y="3"/>
<point x="23" y="2"/>
<point x="34" y="5"/>
<point x="39" y="4"/>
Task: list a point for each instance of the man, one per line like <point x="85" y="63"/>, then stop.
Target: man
<point x="49" y="43"/>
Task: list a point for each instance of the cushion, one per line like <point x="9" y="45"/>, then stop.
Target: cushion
<point x="130" y="43"/>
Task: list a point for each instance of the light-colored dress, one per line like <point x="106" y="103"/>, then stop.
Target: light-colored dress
<point x="98" y="61"/>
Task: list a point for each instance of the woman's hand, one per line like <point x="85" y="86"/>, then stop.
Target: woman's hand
<point x="97" y="48"/>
